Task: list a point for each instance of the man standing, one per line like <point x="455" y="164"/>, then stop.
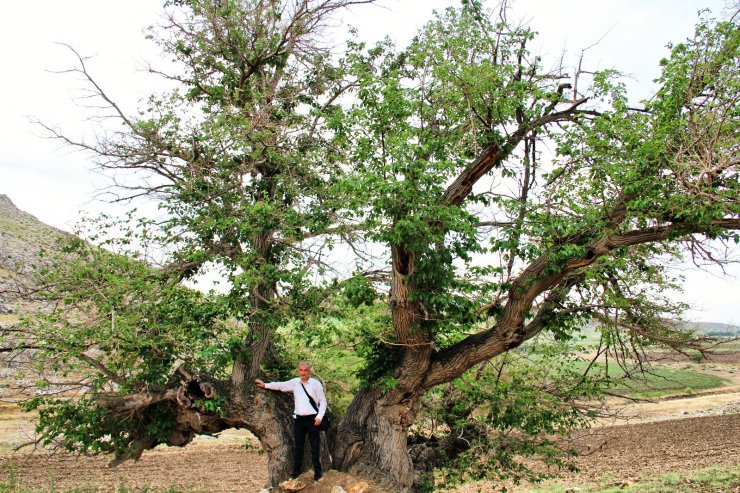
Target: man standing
<point x="307" y="417"/>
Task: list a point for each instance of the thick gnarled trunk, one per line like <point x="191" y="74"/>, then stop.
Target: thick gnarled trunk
<point x="372" y="440"/>
<point x="384" y="456"/>
<point x="268" y="415"/>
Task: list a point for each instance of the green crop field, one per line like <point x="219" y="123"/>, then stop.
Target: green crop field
<point x="663" y="382"/>
<point x="713" y="479"/>
<point x="660" y="381"/>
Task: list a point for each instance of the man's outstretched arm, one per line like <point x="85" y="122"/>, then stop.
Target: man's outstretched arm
<point x="281" y="386"/>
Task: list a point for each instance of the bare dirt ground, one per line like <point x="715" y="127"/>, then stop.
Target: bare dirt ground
<point x="625" y="453"/>
<point x="632" y="452"/>
<point x="670" y="435"/>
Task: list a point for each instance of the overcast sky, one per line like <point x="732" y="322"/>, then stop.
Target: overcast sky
<point x="55" y="184"/>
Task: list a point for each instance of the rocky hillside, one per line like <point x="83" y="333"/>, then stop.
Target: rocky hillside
<point x="22" y="236"/>
<point x="20" y="231"/>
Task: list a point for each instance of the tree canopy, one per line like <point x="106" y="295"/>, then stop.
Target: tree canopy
<point x="417" y="213"/>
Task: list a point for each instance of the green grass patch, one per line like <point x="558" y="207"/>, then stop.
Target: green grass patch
<point x="728" y="347"/>
<point x="662" y="382"/>
<point x="659" y="382"/>
<point x="710" y="480"/>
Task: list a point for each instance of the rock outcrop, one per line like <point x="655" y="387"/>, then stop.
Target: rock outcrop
<point x="22" y="236"/>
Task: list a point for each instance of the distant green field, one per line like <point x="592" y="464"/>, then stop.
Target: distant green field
<point x="591" y="335"/>
<point x="723" y="345"/>
<point x="729" y="347"/>
<point x="709" y="480"/>
<point x="661" y="382"/>
<point x="667" y="381"/>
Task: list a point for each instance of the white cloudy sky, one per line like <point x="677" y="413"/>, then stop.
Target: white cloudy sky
<point x="55" y="184"/>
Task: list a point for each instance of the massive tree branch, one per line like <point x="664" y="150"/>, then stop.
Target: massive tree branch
<point x="494" y="154"/>
<point x="134" y="402"/>
<point x="510" y="330"/>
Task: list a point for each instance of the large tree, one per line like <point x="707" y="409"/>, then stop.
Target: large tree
<point x="446" y="138"/>
<point x="496" y="201"/>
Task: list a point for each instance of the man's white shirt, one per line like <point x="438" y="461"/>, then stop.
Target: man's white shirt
<point x="303" y="406"/>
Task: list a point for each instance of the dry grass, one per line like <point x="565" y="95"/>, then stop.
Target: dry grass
<point x="16" y="427"/>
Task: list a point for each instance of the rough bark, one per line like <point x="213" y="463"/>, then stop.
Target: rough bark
<point x="372" y="442"/>
<point x="407" y="319"/>
<point x="372" y="439"/>
<point x="349" y="440"/>
<point x="268" y="415"/>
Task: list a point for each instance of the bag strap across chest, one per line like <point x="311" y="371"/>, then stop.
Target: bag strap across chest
<point x="310" y="399"/>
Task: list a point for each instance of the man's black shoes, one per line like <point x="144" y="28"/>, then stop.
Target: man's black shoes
<point x="318" y="476"/>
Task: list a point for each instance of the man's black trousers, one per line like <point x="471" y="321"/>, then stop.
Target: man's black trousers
<point x="304" y="425"/>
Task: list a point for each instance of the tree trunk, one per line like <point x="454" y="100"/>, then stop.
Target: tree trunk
<point x="269" y="416"/>
<point x="372" y="440"/>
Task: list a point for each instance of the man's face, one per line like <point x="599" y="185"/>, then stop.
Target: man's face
<point x="304" y="371"/>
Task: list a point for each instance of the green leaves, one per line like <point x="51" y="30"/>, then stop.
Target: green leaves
<point x="513" y="408"/>
<point x="80" y="425"/>
<point x="359" y="291"/>
<point x="127" y="316"/>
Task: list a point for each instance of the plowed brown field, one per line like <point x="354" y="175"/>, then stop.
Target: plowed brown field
<point x="626" y="453"/>
<point x="668" y="436"/>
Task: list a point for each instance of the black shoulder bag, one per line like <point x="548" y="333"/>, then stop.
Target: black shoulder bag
<point x="325" y="420"/>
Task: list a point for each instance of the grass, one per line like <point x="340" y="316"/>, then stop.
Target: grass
<point x="732" y="346"/>
<point x="709" y="480"/>
<point x="661" y="382"/>
<point x="28" y="230"/>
